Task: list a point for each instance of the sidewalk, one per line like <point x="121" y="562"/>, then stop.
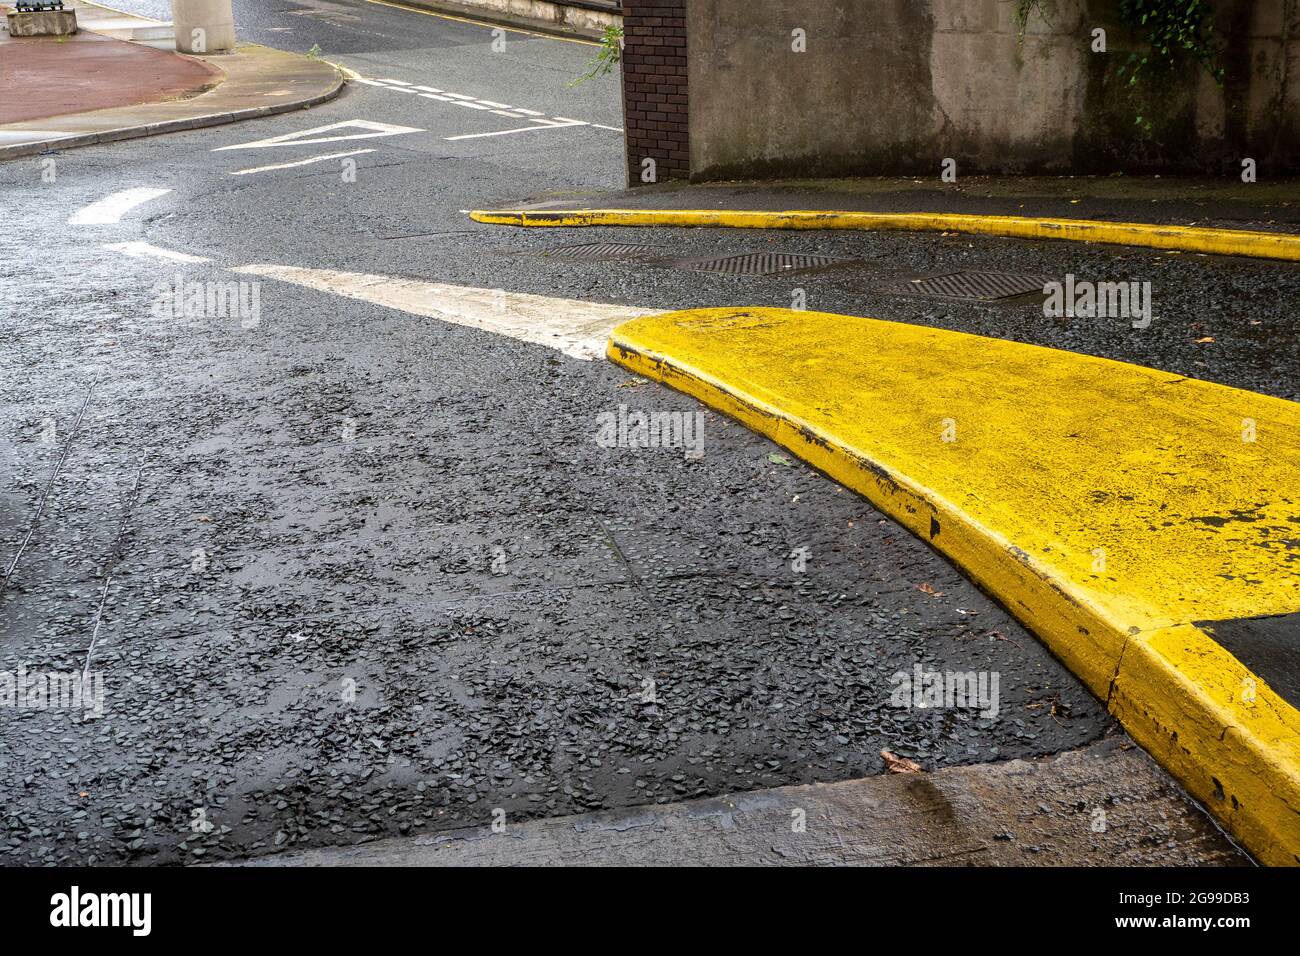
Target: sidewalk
<point x="959" y="816"/>
<point x="1267" y="205"/>
<point x="43" y="77"/>
<point x="59" y="92"/>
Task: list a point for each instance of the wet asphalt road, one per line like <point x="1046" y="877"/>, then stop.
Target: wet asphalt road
<point x="352" y="572"/>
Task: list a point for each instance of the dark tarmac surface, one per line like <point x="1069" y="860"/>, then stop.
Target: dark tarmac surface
<point x="369" y="574"/>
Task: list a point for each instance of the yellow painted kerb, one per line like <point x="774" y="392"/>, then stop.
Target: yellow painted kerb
<point x="1109" y="506"/>
<point x="1228" y="242"/>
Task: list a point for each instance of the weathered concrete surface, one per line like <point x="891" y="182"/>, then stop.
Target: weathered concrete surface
<point x="895" y="86"/>
<point x="1180" y="200"/>
<point x="41" y="23"/>
<point x="1104" y="805"/>
<point x="586" y="19"/>
<point x="204" y="26"/>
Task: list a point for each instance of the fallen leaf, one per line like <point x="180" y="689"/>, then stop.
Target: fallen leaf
<point x="206" y="519"/>
<point x="896" y="764"/>
<point x="776" y="459"/>
<point x="999" y="636"/>
<point x="1204" y="339"/>
<point x="926" y="588"/>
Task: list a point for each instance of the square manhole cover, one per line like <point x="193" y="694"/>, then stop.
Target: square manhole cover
<point x="980" y="286"/>
<point x="758" y="263"/>
<point x="603" y="251"/>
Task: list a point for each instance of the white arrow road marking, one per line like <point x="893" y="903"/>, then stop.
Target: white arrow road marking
<point x="576" y="328"/>
<point x="301" y="162"/>
<point x="314" y="135"/>
<point x="112" y="208"/>
<point x="142" y="250"/>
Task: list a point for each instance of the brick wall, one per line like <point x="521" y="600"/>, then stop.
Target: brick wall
<point x="654" y="88"/>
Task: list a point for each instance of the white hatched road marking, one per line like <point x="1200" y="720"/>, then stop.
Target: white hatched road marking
<point x="478" y="103"/>
<point x="307" y="136"/>
<point x="301" y="162"/>
<point x="518" y="129"/>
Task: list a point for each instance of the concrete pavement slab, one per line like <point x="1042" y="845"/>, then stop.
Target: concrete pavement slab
<point x="1103" y="805"/>
<point x="1267" y="205"/>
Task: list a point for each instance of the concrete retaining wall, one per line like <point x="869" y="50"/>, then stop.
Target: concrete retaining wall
<point x="587" y="18"/>
<point x="895" y="86"/>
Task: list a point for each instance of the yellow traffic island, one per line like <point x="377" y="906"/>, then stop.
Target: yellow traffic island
<point x="1126" y="515"/>
<point x="1228" y="242"/>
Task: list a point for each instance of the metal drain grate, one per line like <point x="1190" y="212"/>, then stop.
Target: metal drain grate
<point x="603" y="251"/>
<point x="984" y="286"/>
<point x="758" y="264"/>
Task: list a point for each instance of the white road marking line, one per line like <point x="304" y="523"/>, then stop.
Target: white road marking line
<point x="476" y="103"/>
<point x="301" y="162"/>
<point x="576" y="328"/>
<point x="314" y="135"/>
<point x="142" y="250"/>
<point x="362" y="79"/>
<point x="112" y="208"/>
<point x="521" y="129"/>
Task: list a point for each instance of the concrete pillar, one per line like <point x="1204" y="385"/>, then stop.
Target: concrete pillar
<point x="204" y="26"/>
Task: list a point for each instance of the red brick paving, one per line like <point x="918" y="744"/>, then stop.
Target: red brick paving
<point x="55" y="76"/>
